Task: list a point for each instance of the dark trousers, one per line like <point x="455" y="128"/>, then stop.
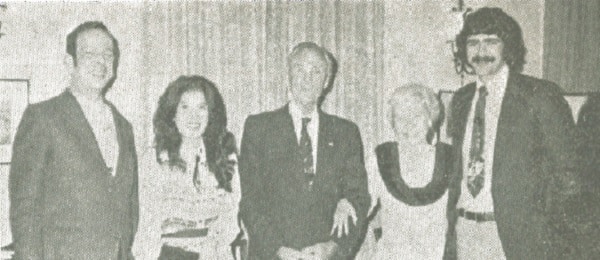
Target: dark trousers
<point x="176" y="253"/>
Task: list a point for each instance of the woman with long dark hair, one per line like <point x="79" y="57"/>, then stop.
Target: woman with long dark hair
<point x="189" y="195"/>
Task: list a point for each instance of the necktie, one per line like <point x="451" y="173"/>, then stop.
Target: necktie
<point x="476" y="174"/>
<point x="306" y="152"/>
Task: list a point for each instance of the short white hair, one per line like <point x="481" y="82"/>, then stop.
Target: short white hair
<point x="426" y="96"/>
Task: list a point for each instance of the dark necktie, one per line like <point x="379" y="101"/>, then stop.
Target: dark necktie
<point x="306" y="152"/>
<point x="476" y="174"/>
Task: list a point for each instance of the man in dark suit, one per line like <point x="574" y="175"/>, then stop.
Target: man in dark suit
<point x="513" y="137"/>
<point x="296" y="164"/>
<point x="73" y="175"/>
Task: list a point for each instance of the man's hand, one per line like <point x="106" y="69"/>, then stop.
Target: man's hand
<point x="286" y="253"/>
<point x="321" y="251"/>
<point x="340" y="218"/>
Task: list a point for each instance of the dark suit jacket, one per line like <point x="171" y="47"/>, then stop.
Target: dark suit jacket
<point x="277" y="207"/>
<point x="533" y="171"/>
<point x="64" y="202"/>
<point x="588" y="125"/>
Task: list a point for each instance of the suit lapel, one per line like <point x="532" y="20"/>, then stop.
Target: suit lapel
<point x="463" y="107"/>
<point x="288" y="143"/>
<point x="288" y="137"/>
<point x="77" y="124"/>
<point x="513" y="105"/>
<point x="121" y="140"/>
<point x="325" y="152"/>
<point x="325" y="143"/>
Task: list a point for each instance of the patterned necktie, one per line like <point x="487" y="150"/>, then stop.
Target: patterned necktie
<point x="475" y="177"/>
<point x="306" y="152"/>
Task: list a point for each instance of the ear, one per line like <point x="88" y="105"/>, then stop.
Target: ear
<point x="69" y="62"/>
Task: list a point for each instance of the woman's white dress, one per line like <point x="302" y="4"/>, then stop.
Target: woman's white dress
<point x="408" y="232"/>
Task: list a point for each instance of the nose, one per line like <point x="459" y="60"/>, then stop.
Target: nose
<point x="482" y="48"/>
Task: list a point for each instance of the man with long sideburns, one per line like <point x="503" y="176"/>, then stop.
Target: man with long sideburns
<point x="512" y="135"/>
<point x="296" y="164"/>
<point x="73" y="176"/>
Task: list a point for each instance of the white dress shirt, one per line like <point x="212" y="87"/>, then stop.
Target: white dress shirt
<point x="100" y="117"/>
<point x="496" y="87"/>
<point x="312" y="128"/>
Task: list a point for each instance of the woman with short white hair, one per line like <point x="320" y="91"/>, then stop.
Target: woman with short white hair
<point x="409" y="179"/>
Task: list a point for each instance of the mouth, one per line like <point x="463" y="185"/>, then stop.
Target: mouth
<point x="99" y="75"/>
<point x="483" y="59"/>
<point x="194" y="125"/>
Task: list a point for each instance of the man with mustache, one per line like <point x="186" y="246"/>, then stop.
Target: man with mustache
<point x="512" y="135"/>
<point x="73" y="176"/>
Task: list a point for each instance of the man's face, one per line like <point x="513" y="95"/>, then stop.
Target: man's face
<point x="308" y="73"/>
<point x="484" y="53"/>
<point x="93" y="68"/>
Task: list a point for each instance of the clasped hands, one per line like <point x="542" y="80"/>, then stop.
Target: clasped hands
<point x="323" y="251"/>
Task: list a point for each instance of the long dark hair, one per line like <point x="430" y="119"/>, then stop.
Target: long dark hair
<point x="218" y="141"/>
<point x="493" y="21"/>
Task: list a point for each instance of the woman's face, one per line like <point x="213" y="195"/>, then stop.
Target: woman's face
<point x="410" y="120"/>
<point x="191" y="117"/>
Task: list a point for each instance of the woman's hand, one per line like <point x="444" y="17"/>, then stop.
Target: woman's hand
<point x="340" y="218"/>
<point x="173" y="225"/>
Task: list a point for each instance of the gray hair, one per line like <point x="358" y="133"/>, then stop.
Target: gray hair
<point x="431" y="103"/>
<point x="330" y="63"/>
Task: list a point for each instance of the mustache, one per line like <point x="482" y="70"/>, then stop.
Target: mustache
<point x="479" y="59"/>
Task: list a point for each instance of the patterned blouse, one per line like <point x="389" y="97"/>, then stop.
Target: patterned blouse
<point x="177" y="211"/>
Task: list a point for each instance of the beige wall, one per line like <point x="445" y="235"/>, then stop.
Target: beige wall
<point x="417" y="47"/>
<point x="415" y="51"/>
<point x="34" y="48"/>
<point x="417" y="32"/>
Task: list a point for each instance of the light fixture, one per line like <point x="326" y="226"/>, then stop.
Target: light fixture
<point x="3" y="7"/>
<point x="459" y="13"/>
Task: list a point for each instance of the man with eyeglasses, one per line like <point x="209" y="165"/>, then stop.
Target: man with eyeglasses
<point x="73" y="177"/>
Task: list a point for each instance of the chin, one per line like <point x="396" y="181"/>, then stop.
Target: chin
<point x="488" y="70"/>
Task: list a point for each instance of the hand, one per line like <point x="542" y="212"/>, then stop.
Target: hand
<point x="340" y="218"/>
<point x="173" y="225"/>
<point x="286" y="253"/>
<point x="321" y="251"/>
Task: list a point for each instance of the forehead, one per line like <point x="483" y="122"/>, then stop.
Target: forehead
<point x="308" y="56"/>
<point x="94" y="38"/>
<point x="408" y="104"/>
<point x="482" y="37"/>
<point x="193" y="96"/>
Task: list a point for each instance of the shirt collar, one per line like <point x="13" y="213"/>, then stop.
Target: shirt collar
<point x="297" y="115"/>
<point x="497" y="85"/>
<point x="86" y="101"/>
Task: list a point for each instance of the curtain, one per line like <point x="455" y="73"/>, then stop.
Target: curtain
<point x="242" y="48"/>
<point x="572" y="44"/>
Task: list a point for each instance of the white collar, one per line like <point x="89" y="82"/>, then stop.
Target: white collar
<point x="297" y="114"/>
<point x="497" y="84"/>
<point x="88" y="103"/>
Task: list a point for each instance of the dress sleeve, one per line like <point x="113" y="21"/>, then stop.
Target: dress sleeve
<point x="376" y="189"/>
<point x="227" y="227"/>
<point x="376" y="186"/>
